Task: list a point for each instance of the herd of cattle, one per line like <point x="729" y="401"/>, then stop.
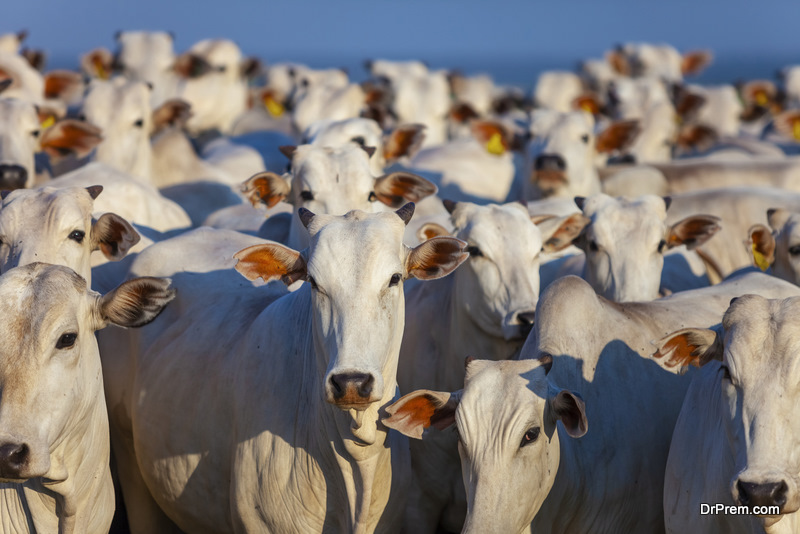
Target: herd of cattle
<point x="310" y="271"/>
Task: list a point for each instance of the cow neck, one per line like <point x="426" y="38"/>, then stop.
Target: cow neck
<point x="357" y="442"/>
<point x="77" y="494"/>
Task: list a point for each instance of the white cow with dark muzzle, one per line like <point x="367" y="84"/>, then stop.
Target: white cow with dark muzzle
<point x="735" y="441"/>
<point x="54" y="441"/>
<point x="329" y="349"/>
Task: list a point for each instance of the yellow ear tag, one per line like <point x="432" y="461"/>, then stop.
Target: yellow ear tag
<point x="760" y="259"/>
<point x="274" y="107"/>
<point x="587" y="107"/>
<point x="48" y="122"/>
<point x="761" y="98"/>
<point x="796" y="130"/>
<point x="495" y="145"/>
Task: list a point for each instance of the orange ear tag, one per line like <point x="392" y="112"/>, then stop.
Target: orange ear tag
<point x="495" y="145"/>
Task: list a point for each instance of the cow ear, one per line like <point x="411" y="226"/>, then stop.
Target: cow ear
<point x="559" y="232"/>
<point x="431" y="230"/>
<point x="435" y="258"/>
<point x="570" y="409"/>
<point x="420" y="410"/>
<point x="588" y="102"/>
<point x="689" y="346"/>
<point x="405" y="140"/>
<point x="113" y="236"/>
<point x="694" y="62"/>
<point x="271" y="262"/>
<point x="250" y="67"/>
<point x="492" y="135"/>
<point x="618" y="62"/>
<point x="62" y="83"/>
<point x="97" y="63"/>
<point x="617" y="136"/>
<point x="172" y="113"/>
<point x="788" y="124"/>
<point x="696" y="137"/>
<point x="397" y="188"/>
<point x="693" y="231"/>
<point x="762" y="244"/>
<point x="135" y="302"/>
<point x="189" y="65"/>
<point x="266" y="187"/>
<point x="70" y="136"/>
<point x="778" y="217"/>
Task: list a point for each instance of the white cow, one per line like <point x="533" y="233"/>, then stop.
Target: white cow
<point x="26" y="82"/>
<point x="10" y="42"/>
<point x="778" y="246"/>
<point x="330" y="349"/>
<point x="54" y="441"/>
<point x="556" y="90"/>
<point x="735" y="439"/>
<point x="486" y="307"/>
<point x="149" y="57"/>
<point x="56" y="226"/>
<point x="611" y="479"/>
<point x="660" y="61"/>
<point x="330" y="181"/>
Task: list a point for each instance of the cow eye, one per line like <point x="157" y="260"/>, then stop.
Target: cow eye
<point x="306" y="195"/>
<point x="35" y="133"/>
<point x="726" y="373"/>
<point x="530" y="436"/>
<point x="396" y="277"/>
<point x="82" y="117"/>
<point x="312" y="282"/>
<point x="66" y="340"/>
<point x="358" y="140"/>
<point x="585" y="139"/>
<point x="139" y="123"/>
<point x="372" y="196"/>
<point x="304" y="83"/>
<point x="795" y="250"/>
<point x="77" y="235"/>
<point x="593" y="246"/>
<point x="661" y="246"/>
<point x="474" y="251"/>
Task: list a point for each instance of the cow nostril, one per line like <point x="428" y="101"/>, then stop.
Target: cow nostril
<point x="778" y="495"/>
<point x="549" y="162"/>
<point x="526" y="318"/>
<point x="14" y="455"/>
<point x="744" y="496"/>
<point x="13" y="176"/>
<point x="347" y="384"/>
<point x="769" y="494"/>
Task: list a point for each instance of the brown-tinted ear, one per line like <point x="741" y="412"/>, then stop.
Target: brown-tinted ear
<point x="189" y="65"/>
<point x="618" y="62"/>
<point x="419" y="410"/>
<point x="696" y="137"/>
<point x="762" y="245"/>
<point x="435" y="258"/>
<point x="113" y="236"/>
<point x="617" y="136"/>
<point x="694" y="62"/>
<point x="462" y="113"/>
<point x="70" y="136"/>
<point x="431" y="230"/>
<point x="405" y="140"/>
<point x="397" y="188"/>
<point x="689" y="346"/>
<point x="172" y="113"/>
<point x="558" y="233"/>
<point x="788" y="124"/>
<point x="687" y="104"/>
<point x="97" y="63"/>
<point x="35" y="58"/>
<point x="758" y="92"/>
<point x="492" y="135"/>
<point x="266" y="187"/>
<point x="693" y="231"/>
<point x="271" y="262"/>
<point x="250" y="67"/>
<point x="62" y="83"/>
<point x="134" y="303"/>
<point x="588" y="102"/>
<point x="571" y="410"/>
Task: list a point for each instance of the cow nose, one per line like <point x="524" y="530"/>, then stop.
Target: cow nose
<point x="769" y="494"/>
<point x="623" y="160"/>
<point x="550" y="162"/>
<point x="13" y="457"/>
<point x="13" y="176"/>
<point x="527" y="317"/>
<point x="352" y="387"/>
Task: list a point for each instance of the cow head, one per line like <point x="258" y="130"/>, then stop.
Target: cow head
<point x="778" y="246"/>
<point x="506" y="417"/>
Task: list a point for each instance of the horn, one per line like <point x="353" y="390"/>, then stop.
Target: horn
<point x="406" y="212"/>
<point x="449" y="205"/>
<point x="288" y="150"/>
<point x="580" y="201"/>
<point x="667" y="202"/>
<point x="94" y="190"/>
<point x="306" y="216"/>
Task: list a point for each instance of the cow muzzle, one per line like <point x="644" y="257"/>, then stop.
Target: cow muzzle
<point x="351" y="390"/>
<point x="549" y="173"/>
<point x="15" y="461"/>
<point x="518" y="324"/>
<point x="751" y="490"/>
<point x="13" y="177"/>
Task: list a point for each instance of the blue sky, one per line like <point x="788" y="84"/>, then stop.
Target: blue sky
<point x="502" y="36"/>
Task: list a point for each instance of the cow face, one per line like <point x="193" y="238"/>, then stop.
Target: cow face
<point x="50" y="376"/>
<point x="508" y="442"/>
<point x="779" y="245"/>
<point x="626" y="241"/>
<point x="758" y="389"/>
<point x="65" y="233"/>
<point x="355" y="267"/>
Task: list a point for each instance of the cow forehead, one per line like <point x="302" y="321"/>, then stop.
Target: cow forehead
<point x="338" y="132"/>
<point x="759" y="330"/>
<point x="356" y="243"/>
<point x="323" y="168"/>
<point x="615" y="217"/>
<point x="218" y="51"/>
<point x="17" y="114"/>
<point x="496" y="226"/>
<point x="48" y="207"/>
<point x="115" y="98"/>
